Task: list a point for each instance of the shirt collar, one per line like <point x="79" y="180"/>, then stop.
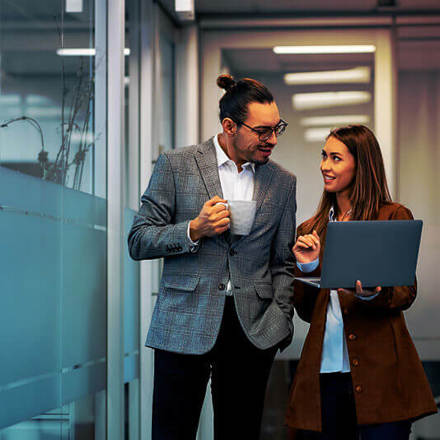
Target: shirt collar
<point x="331" y="215"/>
<point x="222" y="157"/>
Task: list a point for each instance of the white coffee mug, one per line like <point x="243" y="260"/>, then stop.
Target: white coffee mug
<point x="242" y="216"/>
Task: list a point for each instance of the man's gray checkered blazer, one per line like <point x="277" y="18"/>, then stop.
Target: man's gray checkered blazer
<point x="189" y="308"/>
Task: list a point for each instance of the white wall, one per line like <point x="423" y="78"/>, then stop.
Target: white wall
<point x="419" y="184"/>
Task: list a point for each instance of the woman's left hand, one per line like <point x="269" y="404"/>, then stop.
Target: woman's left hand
<point x="360" y="291"/>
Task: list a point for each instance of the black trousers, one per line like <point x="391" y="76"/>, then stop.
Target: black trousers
<point x="239" y="373"/>
<point x="339" y="415"/>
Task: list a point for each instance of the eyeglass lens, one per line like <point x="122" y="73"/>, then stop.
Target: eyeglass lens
<point x="279" y="130"/>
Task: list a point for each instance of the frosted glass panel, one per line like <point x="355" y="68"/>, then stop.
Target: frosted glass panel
<point x="29" y="286"/>
<point x="84" y="293"/>
<point x="53" y="302"/>
<point x="30" y="399"/>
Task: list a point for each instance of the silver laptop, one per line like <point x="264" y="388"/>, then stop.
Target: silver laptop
<point x="376" y="252"/>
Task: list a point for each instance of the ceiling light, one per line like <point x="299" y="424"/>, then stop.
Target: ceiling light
<point x="355" y="75"/>
<point x="334" y="120"/>
<point x="86" y="52"/>
<point x="185" y="9"/>
<point x="306" y="101"/>
<point x="297" y="50"/>
<point x="74" y="6"/>
<point x="316" y="134"/>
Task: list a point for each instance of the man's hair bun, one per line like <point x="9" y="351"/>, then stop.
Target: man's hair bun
<point x="226" y="82"/>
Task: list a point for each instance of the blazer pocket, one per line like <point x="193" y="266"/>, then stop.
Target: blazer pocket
<point x="264" y="291"/>
<point x="185" y="283"/>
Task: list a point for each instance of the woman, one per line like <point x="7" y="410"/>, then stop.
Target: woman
<point x="359" y="373"/>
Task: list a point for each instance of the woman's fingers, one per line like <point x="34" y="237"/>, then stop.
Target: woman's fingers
<point x="360" y="291"/>
<point x="306" y="241"/>
<point x="309" y="240"/>
<point x="316" y="237"/>
<point x="366" y="292"/>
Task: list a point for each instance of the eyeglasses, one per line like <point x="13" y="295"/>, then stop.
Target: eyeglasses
<point x="264" y="134"/>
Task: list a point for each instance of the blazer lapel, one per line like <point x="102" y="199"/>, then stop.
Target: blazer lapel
<point x="206" y="159"/>
<point x="207" y="162"/>
<point x="263" y="178"/>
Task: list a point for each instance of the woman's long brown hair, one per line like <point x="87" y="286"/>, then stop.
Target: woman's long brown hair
<point x="369" y="189"/>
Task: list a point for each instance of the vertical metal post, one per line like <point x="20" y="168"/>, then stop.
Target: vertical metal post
<point x="115" y="194"/>
<point x="146" y="147"/>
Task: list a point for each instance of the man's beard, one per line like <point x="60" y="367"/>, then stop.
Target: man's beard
<point x="260" y="162"/>
<point x="252" y="159"/>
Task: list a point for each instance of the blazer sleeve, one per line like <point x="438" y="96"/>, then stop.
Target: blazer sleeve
<point x="396" y="298"/>
<point x="153" y="233"/>
<point x="282" y="259"/>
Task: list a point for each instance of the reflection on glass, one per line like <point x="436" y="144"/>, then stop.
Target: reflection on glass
<point x="166" y="122"/>
<point x="53" y="226"/>
<point x="75" y="421"/>
<point x="46" y="102"/>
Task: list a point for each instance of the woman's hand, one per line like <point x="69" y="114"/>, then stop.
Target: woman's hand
<point x="362" y="292"/>
<point x="307" y="248"/>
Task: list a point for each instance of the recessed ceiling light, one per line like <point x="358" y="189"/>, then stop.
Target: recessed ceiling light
<point x="297" y="50"/>
<point x="316" y="134"/>
<point x="86" y="52"/>
<point x="185" y="9"/>
<point x="314" y="121"/>
<point x="355" y="75"/>
<point x="74" y="6"/>
<point x="306" y="101"/>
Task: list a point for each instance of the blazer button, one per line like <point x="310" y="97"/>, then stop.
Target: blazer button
<point x="355" y="362"/>
<point x="232" y="252"/>
<point x="352" y="337"/>
<point x="358" y="388"/>
<point x="221" y="286"/>
<point x="345" y="311"/>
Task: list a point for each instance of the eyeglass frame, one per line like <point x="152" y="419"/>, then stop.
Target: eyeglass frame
<point x="283" y="123"/>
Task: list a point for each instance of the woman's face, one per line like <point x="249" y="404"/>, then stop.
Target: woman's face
<point x="338" y="166"/>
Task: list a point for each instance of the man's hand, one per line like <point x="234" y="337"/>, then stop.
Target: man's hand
<point x="212" y="220"/>
<point x="307" y="248"/>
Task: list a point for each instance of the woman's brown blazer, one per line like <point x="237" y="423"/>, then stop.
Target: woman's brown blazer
<point x="389" y="383"/>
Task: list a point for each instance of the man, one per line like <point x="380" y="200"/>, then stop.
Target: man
<point x="224" y="304"/>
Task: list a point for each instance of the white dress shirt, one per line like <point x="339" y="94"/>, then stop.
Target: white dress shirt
<point x="235" y="185"/>
<point x="334" y="357"/>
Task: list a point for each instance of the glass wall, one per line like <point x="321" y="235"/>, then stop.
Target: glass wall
<point x="53" y="220"/>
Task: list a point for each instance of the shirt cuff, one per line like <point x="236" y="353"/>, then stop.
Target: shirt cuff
<point x="193" y="245"/>
<point x="308" y="267"/>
